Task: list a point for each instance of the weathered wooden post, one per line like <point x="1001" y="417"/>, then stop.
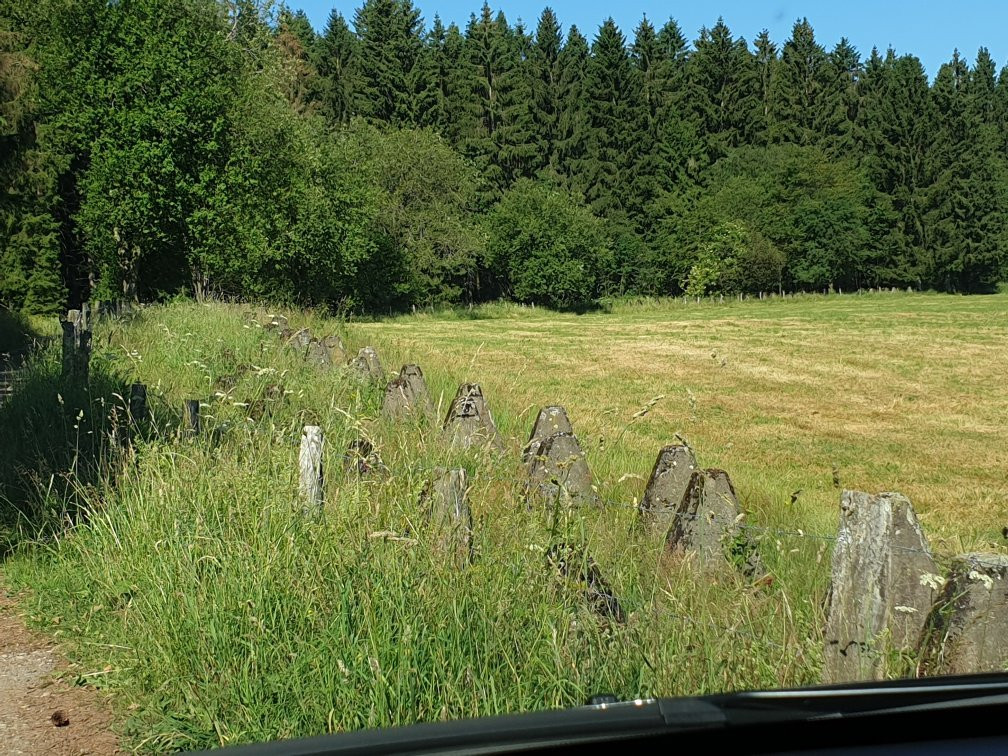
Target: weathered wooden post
<point x="76" y="347"/>
<point x="138" y="415"/>
<point x="69" y="343"/>
<point x="311" y="479"/>
<point x="191" y="417"/>
<point x="138" y="403"/>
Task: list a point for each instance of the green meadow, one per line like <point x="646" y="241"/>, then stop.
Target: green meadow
<point x="184" y="579"/>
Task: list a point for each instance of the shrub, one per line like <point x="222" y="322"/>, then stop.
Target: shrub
<point x="545" y="246"/>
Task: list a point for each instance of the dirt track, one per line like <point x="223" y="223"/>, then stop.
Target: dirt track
<point x="33" y="700"/>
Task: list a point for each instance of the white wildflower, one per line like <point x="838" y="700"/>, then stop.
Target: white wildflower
<point x="934" y="582"/>
<point x="906" y="609"/>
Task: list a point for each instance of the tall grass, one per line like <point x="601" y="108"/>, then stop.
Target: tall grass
<point x="193" y="588"/>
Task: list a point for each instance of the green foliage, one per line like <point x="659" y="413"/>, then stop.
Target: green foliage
<point x="806" y="207"/>
<point x="337" y="64"/>
<point x="731" y="259"/>
<point x="545" y="75"/>
<point x="546" y="247"/>
<point x="722" y="91"/>
<point x="230" y="163"/>
<point x="495" y="127"/>
<point x="389" y="48"/>
<point x="895" y="126"/>
<point x="426" y="193"/>
<point x="612" y="98"/>
<point x="808" y="109"/>
<point x="968" y="205"/>
<point x="573" y="125"/>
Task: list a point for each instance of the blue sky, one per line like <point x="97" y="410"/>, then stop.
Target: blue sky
<point x="928" y="29"/>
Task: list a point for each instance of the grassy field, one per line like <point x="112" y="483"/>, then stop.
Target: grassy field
<point x="898" y="392"/>
<point x="195" y="591"/>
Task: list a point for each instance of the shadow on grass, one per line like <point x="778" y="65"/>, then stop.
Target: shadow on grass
<point x="17" y="337"/>
<point x="62" y="445"/>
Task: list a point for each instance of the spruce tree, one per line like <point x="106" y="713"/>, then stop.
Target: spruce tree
<point x="545" y="85"/>
<point x="613" y="100"/>
<point x="298" y="24"/>
<point x="479" y="115"/>
<point x="337" y="65"/>
<point x="430" y="80"/>
<point x="514" y="139"/>
<point x="967" y="211"/>
<point x="981" y="200"/>
<point x="573" y="124"/>
<point x="610" y="93"/>
<point x="497" y="132"/>
<point x="652" y="94"/>
<point x="677" y="141"/>
<point x="296" y="41"/>
<point x="846" y="71"/>
<point x="808" y="106"/>
<point x="455" y="84"/>
<point x="767" y="62"/>
<point x="389" y="47"/>
<point x="893" y="132"/>
<point x="723" y="92"/>
<point x="1001" y="107"/>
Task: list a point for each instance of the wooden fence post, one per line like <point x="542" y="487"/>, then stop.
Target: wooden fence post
<point x="76" y="347"/>
<point x="312" y="478"/>
<point x="138" y="404"/>
<point x="191" y="418"/>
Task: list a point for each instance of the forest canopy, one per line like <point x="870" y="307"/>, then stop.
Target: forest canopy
<point x="216" y="148"/>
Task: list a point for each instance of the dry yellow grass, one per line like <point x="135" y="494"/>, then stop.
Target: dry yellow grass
<point x="899" y="392"/>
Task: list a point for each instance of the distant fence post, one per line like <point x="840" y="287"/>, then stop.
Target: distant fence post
<point x="191" y="418"/>
<point x="311" y="480"/>
<point x="76" y="347"/>
<point x="138" y="404"/>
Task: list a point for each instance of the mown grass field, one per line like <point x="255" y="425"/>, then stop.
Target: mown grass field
<point x="898" y="392"/>
<point x="194" y="589"/>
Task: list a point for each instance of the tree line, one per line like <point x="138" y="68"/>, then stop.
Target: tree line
<point x="212" y="147"/>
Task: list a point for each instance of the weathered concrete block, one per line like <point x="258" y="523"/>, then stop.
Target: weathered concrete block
<point x="277" y="322"/>
<point x="967" y="629"/>
<point x="316" y="354"/>
<point x="881" y="585"/>
<point x="362" y="458"/>
<point x="579" y="569"/>
<point x="367" y="365"/>
<point x="670" y="477"/>
<point x="469" y="422"/>
<point x="407" y="394"/>
<point x="550" y="420"/>
<point x="707" y="523"/>
<point x="559" y="473"/>
<point x="302" y="338"/>
<point x="445" y="503"/>
<point x="337" y="349"/>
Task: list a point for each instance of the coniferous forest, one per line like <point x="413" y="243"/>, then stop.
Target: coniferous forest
<point x="215" y="148"/>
